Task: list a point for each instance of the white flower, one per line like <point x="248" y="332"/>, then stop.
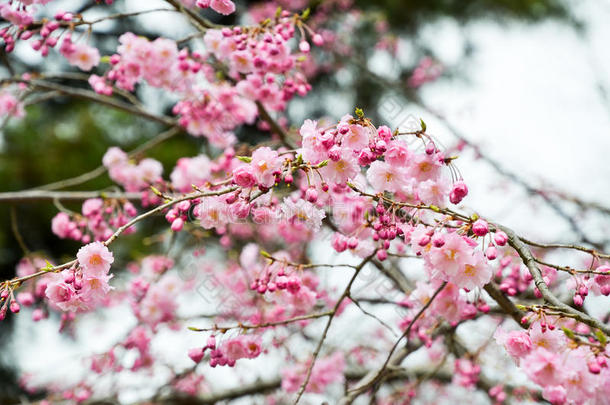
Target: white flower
<point x="303" y="211"/>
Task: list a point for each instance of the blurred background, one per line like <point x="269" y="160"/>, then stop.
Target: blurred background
<point x="524" y="81"/>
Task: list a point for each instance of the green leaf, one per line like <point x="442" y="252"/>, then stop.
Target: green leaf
<point x="278" y="12"/>
<point x="601" y="337"/>
<point x="306" y="13"/>
<point x="48" y="267"/>
<point x="105" y="59"/>
<point x="569" y="333"/>
<point x="359" y="113"/>
<point x="423" y="125"/>
<point x="245" y="159"/>
<point x="265" y="254"/>
<point x="194" y="329"/>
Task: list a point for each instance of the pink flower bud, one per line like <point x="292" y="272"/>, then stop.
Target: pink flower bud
<point x="381" y="146"/>
<point x="26" y="298"/>
<point x="244" y="176"/>
<point x="317" y="40"/>
<point x="37" y="315"/>
<point x="196" y="354"/>
<point x="304" y="46"/>
<point x="578" y="301"/>
<point x="352" y="243"/>
<point x="382" y="255"/>
<point x="480" y="227"/>
<point x="438" y="241"/>
<point x="459" y="191"/>
<point x="384" y="132"/>
<point x="594" y="367"/>
<point x="491" y="253"/>
<point x="15" y="308"/>
<point x="500" y="238"/>
<point x="583" y="290"/>
<point x="311" y="195"/>
<point x="177" y="225"/>
<point x="211" y="343"/>
<point x="423" y="241"/>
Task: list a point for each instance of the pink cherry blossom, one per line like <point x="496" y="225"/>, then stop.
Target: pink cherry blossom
<point x="83" y="56"/>
<point x="265" y="163"/>
<point x="95" y="259"/>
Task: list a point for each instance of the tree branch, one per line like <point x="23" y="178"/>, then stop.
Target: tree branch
<point x="528" y="259"/>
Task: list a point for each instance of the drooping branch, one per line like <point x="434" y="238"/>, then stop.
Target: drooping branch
<point x="528" y="259"/>
<point x="92" y="96"/>
<point x="120" y="230"/>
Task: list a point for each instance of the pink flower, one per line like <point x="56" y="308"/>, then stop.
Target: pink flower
<point x="397" y="153"/>
<point x="61" y="225"/>
<point x="579" y="383"/>
<point x="552" y="340"/>
<point x="212" y="212"/>
<point x="191" y="171"/>
<point x="243" y="346"/>
<point x="434" y="192"/>
<point x="10" y="105"/>
<point x="356" y="138"/>
<point x="385" y="177"/>
<point x="114" y="156"/>
<point x="475" y="272"/>
<point x="265" y="163"/>
<point x="95" y="259"/>
<point x="58" y="292"/>
<point x="480" y="227"/>
<point x="225" y="7"/>
<point x="95" y="289"/>
<point x="517" y="343"/>
<point x="150" y="170"/>
<point x="92" y="206"/>
<point x="303" y="212"/>
<point x="83" y="56"/>
<point x="459" y="191"/>
<point x="452" y="257"/>
<point x="315" y="145"/>
<point x="244" y="177"/>
<point x="425" y="167"/>
<point x="196" y="354"/>
<point x="341" y="170"/>
<point x="159" y="304"/>
<point x="555" y="394"/>
<point x="544" y="367"/>
<point x="63" y="295"/>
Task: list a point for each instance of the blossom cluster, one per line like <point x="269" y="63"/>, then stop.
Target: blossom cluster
<point x="97" y="222"/>
<point x="82" y="287"/>
<point x="568" y="374"/>
<point x="10" y="105"/>
<point x="133" y="177"/>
